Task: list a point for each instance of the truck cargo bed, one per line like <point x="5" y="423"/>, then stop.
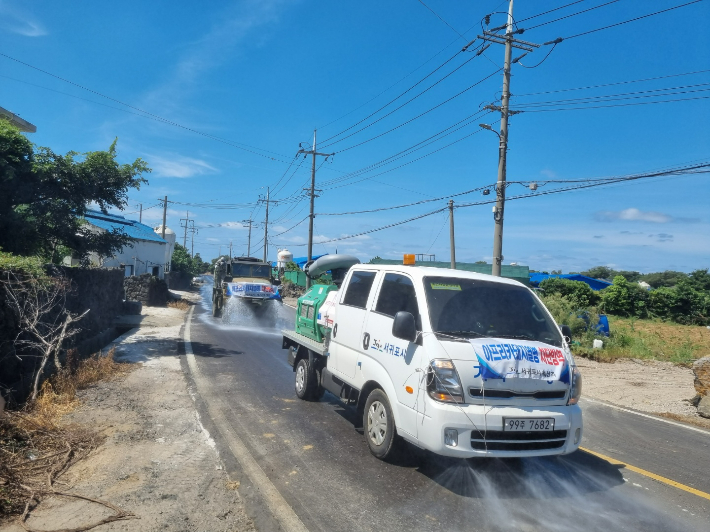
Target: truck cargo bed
<point x="291" y="338"/>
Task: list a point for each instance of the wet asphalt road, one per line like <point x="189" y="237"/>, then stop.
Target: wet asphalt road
<point x="321" y="465"/>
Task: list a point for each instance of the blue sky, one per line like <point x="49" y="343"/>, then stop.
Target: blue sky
<point x="262" y="74"/>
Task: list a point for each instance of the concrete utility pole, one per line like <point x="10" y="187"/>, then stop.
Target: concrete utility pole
<point x="249" y="221"/>
<point x="498" y="210"/>
<point x="140" y="215"/>
<point x="313" y="152"/>
<point x="165" y="214"/>
<point x="451" y="234"/>
<point x="187" y="222"/>
<point x="266" y="226"/>
<point x="193" y="230"/>
<point x="230" y="250"/>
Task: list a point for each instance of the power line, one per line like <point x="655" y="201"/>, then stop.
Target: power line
<point x="442" y="20"/>
<point x="633" y="19"/>
<point x="612" y="84"/>
<point x="567" y="16"/>
<point x="397" y="108"/>
<point x="612" y="105"/>
<point x="651" y="93"/>
<point x="147" y="114"/>
<point x="550" y="11"/>
<point x="419" y="115"/>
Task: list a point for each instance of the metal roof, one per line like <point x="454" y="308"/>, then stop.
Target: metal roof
<point x="595" y="284"/>
<point x="132" y="228"/>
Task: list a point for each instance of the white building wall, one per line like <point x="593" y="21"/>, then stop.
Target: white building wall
<point x="143" y="255"/>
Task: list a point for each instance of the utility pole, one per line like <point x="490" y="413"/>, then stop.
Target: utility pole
<point x="451" y="234"/>
<point x="249" y="221"/>
<point x="193" y="230"/>
<point x="140" y="215"/>
<point x="165" y="214"/>
<point x="498" y="210"/>
<point x="187" y="222"/>
<point x="230" y="250"/>
<point x="266" y="225"/>
<point x="313" y="152"/>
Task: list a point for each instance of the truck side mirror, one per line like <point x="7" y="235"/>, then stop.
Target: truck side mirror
<point x="404" y="326"/>
<point x="566" y="331"/>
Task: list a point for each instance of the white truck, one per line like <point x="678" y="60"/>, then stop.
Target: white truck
<point x="459" y="363"/>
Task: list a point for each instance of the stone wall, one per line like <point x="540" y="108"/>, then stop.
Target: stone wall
<point x="98" y="290"/>
<point x="147" y="289"/>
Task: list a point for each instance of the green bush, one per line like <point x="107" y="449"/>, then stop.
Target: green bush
<point x="577" y="292"/>
<point x="566" y="312"/>
<point x="625" y="299"/>
<point x="682" y="304"/>
<point x="33" y="266"/>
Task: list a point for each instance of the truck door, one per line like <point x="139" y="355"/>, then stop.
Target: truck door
<point x="347" y="340"/>
<point x="400" y="358"/>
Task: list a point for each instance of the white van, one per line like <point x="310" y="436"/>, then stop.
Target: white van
<point x="459" y="363"/>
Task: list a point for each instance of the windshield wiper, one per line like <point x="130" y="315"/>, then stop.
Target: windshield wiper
<point x="462" y="333"/>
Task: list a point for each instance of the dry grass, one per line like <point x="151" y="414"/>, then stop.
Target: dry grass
<point x="693" y="420"/>
<point x="181" y="304"/>
<point x="35" y="446"/>
<point x="651" y="340"/>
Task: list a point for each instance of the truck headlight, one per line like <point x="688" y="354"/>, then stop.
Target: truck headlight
<point x="443" y="383"/>
<point x="575" y="391"/>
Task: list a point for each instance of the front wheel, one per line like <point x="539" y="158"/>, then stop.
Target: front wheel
<point x="216" y="310"/>
<point x="379" y="424"/>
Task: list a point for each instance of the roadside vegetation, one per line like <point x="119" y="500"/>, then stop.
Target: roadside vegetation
<point x="668" y="322"/>
<point x="36" y="448"/>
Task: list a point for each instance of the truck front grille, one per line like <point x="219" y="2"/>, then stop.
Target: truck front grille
<point x="507" y="394"/>
<point x="498" y="440"/>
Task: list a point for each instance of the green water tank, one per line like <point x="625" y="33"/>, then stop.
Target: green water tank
<point x="309" y="305"/>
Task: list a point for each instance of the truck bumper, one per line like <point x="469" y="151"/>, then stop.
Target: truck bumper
<point x="482" y="435"/>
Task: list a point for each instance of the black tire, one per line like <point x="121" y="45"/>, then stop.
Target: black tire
<point x="305" y="380"/>
<point x="216" y="310"/>
<point x="378" y="422"/>
<point x="319" y="391"/>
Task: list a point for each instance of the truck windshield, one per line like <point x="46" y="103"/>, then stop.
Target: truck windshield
<point x="251" y="270"/>
<point x="471" y="308"/>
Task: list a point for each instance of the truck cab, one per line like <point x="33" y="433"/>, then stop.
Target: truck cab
<point x="246" y="278"/>
<point x="459" y="363"/>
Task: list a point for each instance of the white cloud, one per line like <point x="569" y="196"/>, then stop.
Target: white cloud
<point x="634" y="215"/>
<point x="178" y="166"/>
<point x="550" y="174"/>
<point x="17" y="21"/>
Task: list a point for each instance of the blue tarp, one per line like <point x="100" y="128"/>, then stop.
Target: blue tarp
<point x="301" y="261"/>
<point x="595" y="284"/>
<point x="130" y="227"/>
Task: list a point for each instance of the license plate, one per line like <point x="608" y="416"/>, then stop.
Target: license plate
<point x="518" y="424"/>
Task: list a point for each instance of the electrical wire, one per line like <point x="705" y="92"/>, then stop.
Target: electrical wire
<point x="419" y="115"/>
<point x="442" y="20"/>
<point x="550" y="11"/>
<point x="326" y="144"/>
<point x="541" y="62"/>
<point x="446" y="219"/>
<point x="632" y="20"/>
<point x="651" y="93"/>
<point x="612" y="84"/>
<point x="568" y="16"/>
<point x="612" y="105"/>
<point x="325" y="141"/>
<point x="241" y="146"/>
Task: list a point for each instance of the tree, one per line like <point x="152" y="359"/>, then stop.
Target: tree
<point x="39" y="307"/>
<point x="576" y="292"/>
<point x="44" y="196"/>
<point x="625" y="299"/>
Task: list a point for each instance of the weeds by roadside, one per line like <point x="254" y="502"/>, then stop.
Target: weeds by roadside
<point x="181" y="304"/>
<point x="36" y="448"/>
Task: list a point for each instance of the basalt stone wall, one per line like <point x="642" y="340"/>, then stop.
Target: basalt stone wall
<point x="98" y="290"/>
<point x="147" y="289"/>
<point x="178" y="280"/>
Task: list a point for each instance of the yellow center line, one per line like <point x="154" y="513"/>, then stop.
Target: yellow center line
<point x="648" y="474"/>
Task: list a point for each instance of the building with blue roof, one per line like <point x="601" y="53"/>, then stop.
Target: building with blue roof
<point x="149" y="253"/>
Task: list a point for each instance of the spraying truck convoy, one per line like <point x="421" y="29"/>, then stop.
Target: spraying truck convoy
<point x="458" y="363"/>
<point x="245" y="278"/>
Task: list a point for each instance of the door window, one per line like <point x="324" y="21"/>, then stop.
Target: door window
<point x="359" y="289"/>
<point x="397" y="293"/>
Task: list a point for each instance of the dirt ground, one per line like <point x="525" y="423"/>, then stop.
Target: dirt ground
<point x="158" y="462"/>
<point x="661" y="388"/>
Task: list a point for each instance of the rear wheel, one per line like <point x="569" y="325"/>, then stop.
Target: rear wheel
<point x="379" y="425"/>
<point x="216" y="307"/>
<point x="305" y="380"/>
